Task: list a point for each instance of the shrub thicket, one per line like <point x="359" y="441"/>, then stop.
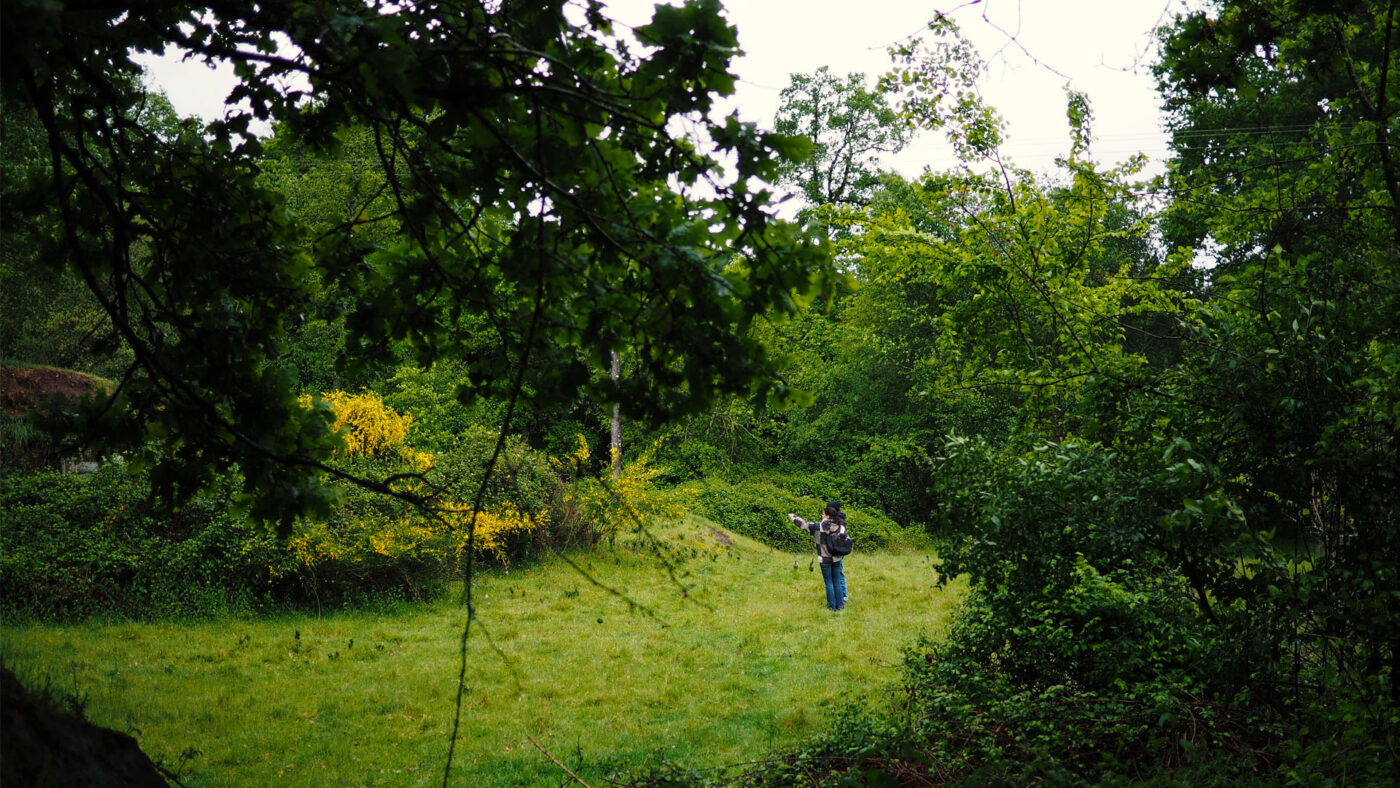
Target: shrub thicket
<point x="382" y="545"/>
<point x="1086" y="653"/>
<point x="73" y="546"/>
<point x="966" y="716"/>
<point x="77" y="546"/>
<point x="759" y="509"/>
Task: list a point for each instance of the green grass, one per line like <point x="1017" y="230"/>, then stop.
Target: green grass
<point x="745" y="660"/>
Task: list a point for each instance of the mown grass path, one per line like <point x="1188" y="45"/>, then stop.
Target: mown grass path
<point x="745" y="660"/>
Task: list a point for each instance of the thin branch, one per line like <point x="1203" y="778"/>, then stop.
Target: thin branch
<point x="566" y="769"/>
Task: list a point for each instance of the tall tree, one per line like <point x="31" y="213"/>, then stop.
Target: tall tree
<point x="849" y="126"/>
<point x="1283" y="117"/>
<point x="47" y="315"/>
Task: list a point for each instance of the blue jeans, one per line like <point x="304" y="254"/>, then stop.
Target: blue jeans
<point x="835" y="579"/>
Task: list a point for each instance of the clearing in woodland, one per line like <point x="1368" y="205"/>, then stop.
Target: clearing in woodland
<point x="697" y="647"/>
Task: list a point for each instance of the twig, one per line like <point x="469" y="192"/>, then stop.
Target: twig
<point x="566" y="769"/>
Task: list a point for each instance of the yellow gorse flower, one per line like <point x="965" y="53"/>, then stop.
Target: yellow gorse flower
<point x="492" y="528"/>
<point x="632" y="499"/>
<point x="575" y="459"/>
<point x="416" y="537"/>
<point x="365" y="423"/>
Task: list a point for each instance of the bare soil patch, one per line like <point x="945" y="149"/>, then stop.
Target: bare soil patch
<point x="26" y="388"/>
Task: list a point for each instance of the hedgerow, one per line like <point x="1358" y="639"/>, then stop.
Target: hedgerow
<point x="759" y="510"/>
<point x="78" y="546"/>
<point x="73" y="546"/>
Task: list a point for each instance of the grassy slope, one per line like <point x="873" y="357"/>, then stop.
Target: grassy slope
<point x="746" y="660"/>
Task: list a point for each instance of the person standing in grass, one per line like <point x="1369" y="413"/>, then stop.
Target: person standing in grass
<point x="833" y="521"/>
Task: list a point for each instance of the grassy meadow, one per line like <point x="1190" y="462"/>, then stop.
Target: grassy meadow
<point x="679" y="647"/>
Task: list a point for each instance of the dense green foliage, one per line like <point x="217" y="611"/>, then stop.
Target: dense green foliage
<point x="1169" y="472"/>
<point x="759" y="510"/>
<point x="532" y="208"/>
<point x="47" y="314"/>
<point x="1183" y="538"/>
<point x="100" y="546"/>
<point x="1296" y="349"/>
<point x="75" y="547"/>
<point x="1156" y="426"/>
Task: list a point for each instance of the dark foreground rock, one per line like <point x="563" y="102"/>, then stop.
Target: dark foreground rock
<point x="45" y="746"/>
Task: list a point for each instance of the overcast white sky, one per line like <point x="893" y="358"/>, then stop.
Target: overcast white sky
<point x="1102" y="47"/>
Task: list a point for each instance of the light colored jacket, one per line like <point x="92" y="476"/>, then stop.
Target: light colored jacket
<point x="816" y="529"/>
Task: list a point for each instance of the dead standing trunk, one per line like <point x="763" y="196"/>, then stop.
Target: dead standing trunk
<point x="616" y="419"/>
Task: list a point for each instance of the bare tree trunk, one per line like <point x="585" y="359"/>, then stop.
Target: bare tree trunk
<point x="616" y="420"/>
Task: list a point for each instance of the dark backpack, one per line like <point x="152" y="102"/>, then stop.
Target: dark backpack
<point x="838" y="543"/>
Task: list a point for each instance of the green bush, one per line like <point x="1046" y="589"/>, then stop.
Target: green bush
<point x="430" y="397"/>
<point x="893" y="475"/>
<point x="522" y="476"/>
<point x="759" y="510"/>
<point x="72" y="546"/>
<point x="315" y="348"/>
<point x="965" y="717"/>
<point x="817" y="485"/>
<point x="897" y="476"/>
<point x="686" y="460"/>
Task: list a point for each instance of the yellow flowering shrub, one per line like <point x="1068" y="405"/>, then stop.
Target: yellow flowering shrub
<point x="371" y="541"/>
<point x="364" y="422"/>
<point x="631" y="500"/>
<point x="493" y="529"/>
<point x="573" y="462"/>
<point x="341" y="553"/>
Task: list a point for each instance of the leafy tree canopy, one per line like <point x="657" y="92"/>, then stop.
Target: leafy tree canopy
<point x="849" y="127"/>
<point x="532" y="162"/>
<point x="1283" y="118"/>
